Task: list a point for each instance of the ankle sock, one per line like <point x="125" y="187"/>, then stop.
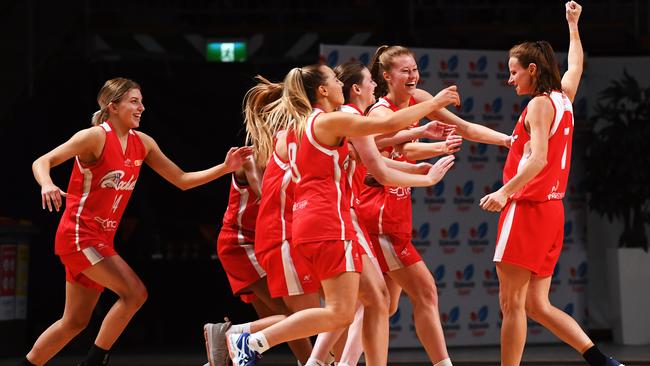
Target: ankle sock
<point x="594" y="357"/>
<point x="257" y="342"/>
<point x="96" y="357"/>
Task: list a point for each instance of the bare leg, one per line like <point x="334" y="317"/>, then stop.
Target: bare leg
<point x="79" y="304"/>
<point x="540" y="309"/>
<point x="374" y="297"/>
<point x="340" y="295"/>
<point x="419" y="285"/>
<point x="513" y="284"/>
<point x="394" y="291"/>
<point x="115" y="274"/>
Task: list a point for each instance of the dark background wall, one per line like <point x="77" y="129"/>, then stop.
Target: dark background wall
<point x="56" y="56"/>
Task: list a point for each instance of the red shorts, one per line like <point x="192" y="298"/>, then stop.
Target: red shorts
<point x="77" y="262"/>
<point x="362" y="236"/>
<point x="239" y="261"/>
<point x="397" y="251"/>
<point x="330" y="258"/>
<point x="531" y="235"/>
<point x="287" y="274"/>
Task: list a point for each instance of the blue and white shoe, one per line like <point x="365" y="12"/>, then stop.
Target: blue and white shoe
<point x="613" y="362"/>
<point x="240" y="353"/>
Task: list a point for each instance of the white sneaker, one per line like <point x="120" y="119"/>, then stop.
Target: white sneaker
<point x="215" y="343"/>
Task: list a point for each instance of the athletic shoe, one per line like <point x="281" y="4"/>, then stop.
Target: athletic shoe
<point x="613" y="362"/>
<point x="240" y="353"/>
<point x="215" y="342"/>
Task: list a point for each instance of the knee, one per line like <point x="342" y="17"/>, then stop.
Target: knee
<point x="136" y="297"/>
<point x="511" y="303"/>
<point x="342" y="315"/>
<point x="426" y="296"/>
<point x="376" y="297"/>
<point x="536" y="309"/>
<point x="75" y="324"/>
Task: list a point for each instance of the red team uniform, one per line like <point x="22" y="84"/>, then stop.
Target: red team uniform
<point x="355" y="175"/>
<point x="387" y="214"/>
<point x="536" y="213"/>
<point x="287" y="273"/>
<point x="235" y="242"/>
<point x="322" y="227"/>
<point x="97" y="196"/>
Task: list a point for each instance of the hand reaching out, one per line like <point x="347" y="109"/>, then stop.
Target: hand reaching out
<point x="440" y="168"/>
<point x="236" y="156"/>
<point x="436" y="130"/>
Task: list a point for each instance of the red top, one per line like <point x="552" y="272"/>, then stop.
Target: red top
<point x="275" y="212"/>
<point x="98" y="194"/>
<point x="320" y="210"/>
<point x="551" y="182"/>
<point x="241" y="212"/>
<point x="387" y="209"/>
<point x="356" y="171"/>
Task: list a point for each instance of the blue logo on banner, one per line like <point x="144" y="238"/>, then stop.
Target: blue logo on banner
<point x="517" y="108"/>
<point x="478" y="323"/>
<point x="454" y="314"/>
<point x="450" y="321"/>
<point x="333" y="58"/>
<point x="452" y="232"/>
<point x="448" y="69"/>
<point x="364" y="58"/>
<point x="423" y="62"/>
<point x="569" y="309"/>
<point x="424" y="230"/>
<point x="491" y="281"/>
<point x="434" y="196"/>
<point x="439" y="188"/>
<point x="448" y="238"/>
<point x="439" y="273"/>
<point x="420" y="237"/>
<point x="467" y="105"/>
<point x="578" y="279"/>
<point x="479" y="65"/>
<point x="464" y="198"/>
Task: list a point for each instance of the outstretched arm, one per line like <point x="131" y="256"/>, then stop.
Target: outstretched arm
<point x="468" y="130"/>
<point x="433" y="130"/>
<point x="571" y="78"/>
<point x="166" y="168"/>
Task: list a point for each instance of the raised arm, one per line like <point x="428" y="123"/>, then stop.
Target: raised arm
<point x="166" y="168"/>
<point x="571" y="78"/>
<point x="86" y="144"/>
<point x="539" y="118"/>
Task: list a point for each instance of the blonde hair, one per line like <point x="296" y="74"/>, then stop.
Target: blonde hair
<point x="383" y="61"/>
<point x="261" y="122"/>
<point x="271" y="107"/>
<point x="112" y="92"/>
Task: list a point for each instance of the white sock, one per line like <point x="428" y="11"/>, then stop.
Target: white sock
<point x="257" y="342"/>
<point x="239" y="328"/>
<point x="343" y="364"/>
<point x="314" y="361"/>
<point x="445" y="362"/>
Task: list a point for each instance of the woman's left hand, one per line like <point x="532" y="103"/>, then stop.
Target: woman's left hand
<point x="494" y="202"/>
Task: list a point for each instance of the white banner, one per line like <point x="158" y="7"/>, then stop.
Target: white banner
<point x="454" y="236"/>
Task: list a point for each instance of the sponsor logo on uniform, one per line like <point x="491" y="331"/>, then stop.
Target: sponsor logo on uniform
<point x="297" y="206"/>
<point x="492" y="113"/>
<point x="477" y="71"/>
<point x="400" y="192"/>
<point x="478" y="323"/>
<point x="464" y="199"/>
<point x="132" y="163"/>
<point x="478" y="156"/>
<point x="106" y="224"/>
<point x="491" y="281"/>
<point x="554" y="194"/>
<point x="434" y="197"/>
<point x="465" y="280"/>
<point x="449" y="241"/>
<point x="450" y="324"/>
<point x="421" y="237"/>
<point x="465" y="109"/>
<point x="447" y="70"/>
<point x="113" y="180"/>
<point x="578" y="277"/>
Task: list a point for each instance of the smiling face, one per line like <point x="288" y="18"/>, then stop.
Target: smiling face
<point x="520" y="77"/>
<point x="128" y="110"/>
<point x="403" y="76"/>
<point x="332" y="88"/>
<point x="366" y="88"/>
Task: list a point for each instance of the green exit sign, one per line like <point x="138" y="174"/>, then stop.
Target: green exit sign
<point x="226" y="51"/>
